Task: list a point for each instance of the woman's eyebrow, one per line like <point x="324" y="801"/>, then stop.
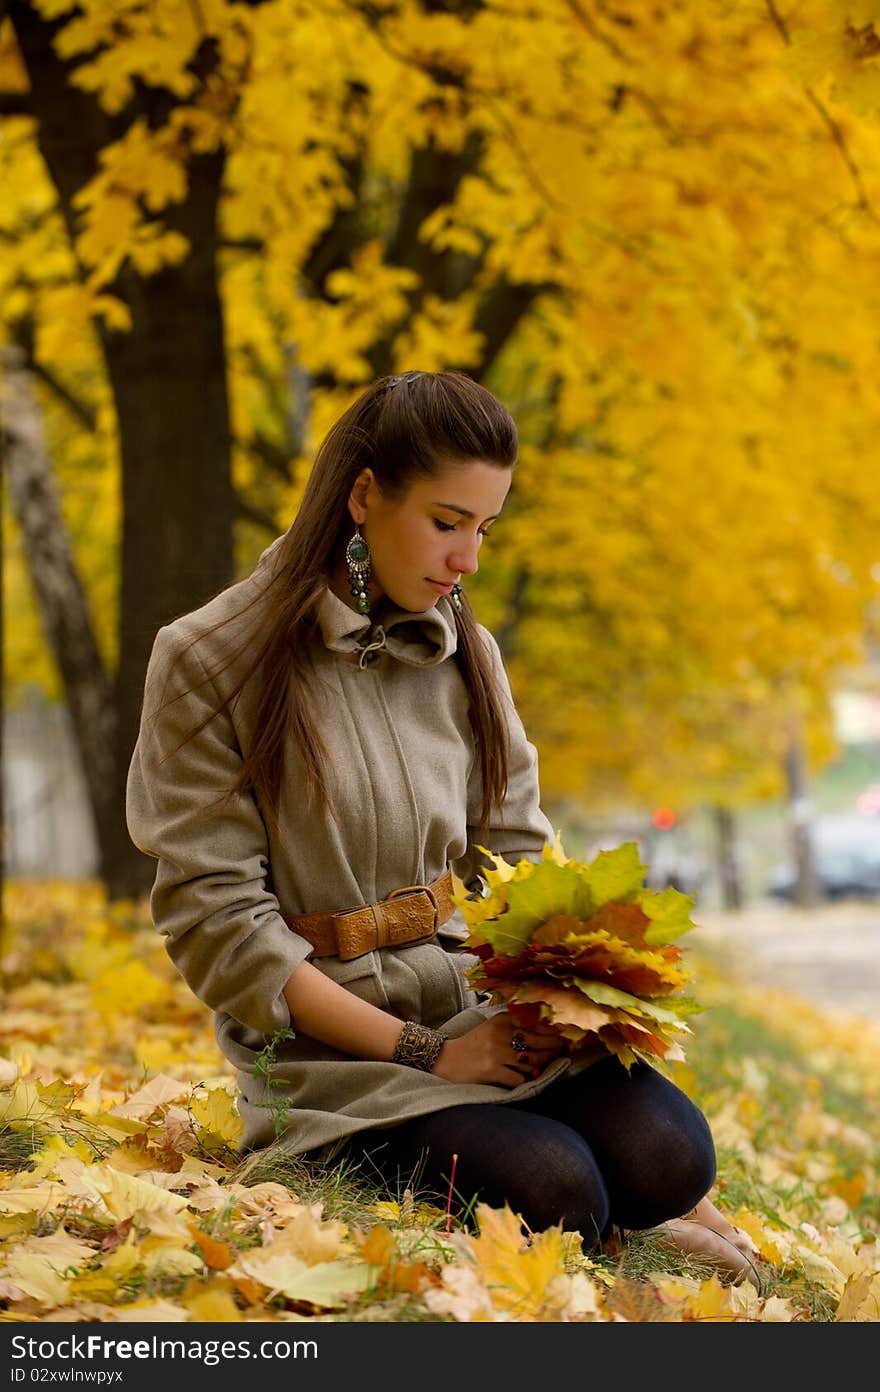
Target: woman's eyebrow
<point x="453" y="507"/>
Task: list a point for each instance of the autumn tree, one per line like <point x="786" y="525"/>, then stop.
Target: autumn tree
<point x="654" y="233"/>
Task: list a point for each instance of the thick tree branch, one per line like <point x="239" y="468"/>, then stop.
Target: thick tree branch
<point x="15" y="104"/>
<point x="248" y="513"/>
<point x="500" y="312"/>
<point x="269" y="454"/>
<point x="83" y="412"/>
<point x="344" y="233"/>
<point x="250" y="244"/>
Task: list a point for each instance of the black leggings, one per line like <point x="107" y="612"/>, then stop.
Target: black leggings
<point x="605" y="1148"/>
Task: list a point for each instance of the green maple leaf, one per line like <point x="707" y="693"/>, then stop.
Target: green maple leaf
<point x="603" y="994"/>
<point x="548" y="889"/>
<point x="669" y="912"/>
<point x="615" y="875"/>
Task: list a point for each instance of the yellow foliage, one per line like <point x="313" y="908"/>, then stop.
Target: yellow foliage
<point x="218" y="1119"/>
<point x="325" y="1284"/>
<point x="212" y="1305"/>
<point x="860" y="1300"/>
<point x="39" y="1266"/>
<point x="24" y="1106"/>
<point x="92" y="1225"/>
<point x="517" y="1274"/>
<point x="689" y="206"/>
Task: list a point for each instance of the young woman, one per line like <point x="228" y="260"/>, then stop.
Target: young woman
<point x="319" y="745"/>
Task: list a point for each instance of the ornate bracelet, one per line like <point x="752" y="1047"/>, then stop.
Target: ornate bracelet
<point x="418" y="1046"/>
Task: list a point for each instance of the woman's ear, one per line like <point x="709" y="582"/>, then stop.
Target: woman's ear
<point x="357" y="498"/>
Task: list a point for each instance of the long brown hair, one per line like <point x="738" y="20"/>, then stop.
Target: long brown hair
<point x="403" y="428"/>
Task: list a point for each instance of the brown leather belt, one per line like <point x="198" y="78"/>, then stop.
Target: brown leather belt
<point x="409" y="915"/>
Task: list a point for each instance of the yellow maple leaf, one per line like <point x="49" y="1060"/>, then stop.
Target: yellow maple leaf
<point x="516" y="1272"/>
<point x="212" y="1305"/>
<point x="860" y="1300"/>
<point x="132" y="1157"/>
<point x="16" y="1225"/>
<point x="757" y="1231"/>
<point x="706" y="1300"/>
<point x="153" y="248"/>
<point x="30" y="1276"/>
<point x="45" y="1160"/>
<point x="36" y="1264"/>
<point x="711" y="1302"/>
<point x="218" y="1119"/>
<point x="109" y="232"/>
<point x="23" y="1104"/>
<point x="94" y="1285"/>
<point x="122" y="991"/>
<point x="129" y="1196"/>
<point x="312" y="1237"/>
<point x="167" y="1257"/>
<point x="152" y="1095"/>
<point x="778" y="1311"/>
<point x="327" y="1284"/>
<point x="32" y="1198"/>
<point x="819" y="1268"/>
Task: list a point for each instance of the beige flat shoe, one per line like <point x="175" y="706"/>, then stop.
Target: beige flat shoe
<point x="698" y="1240"/>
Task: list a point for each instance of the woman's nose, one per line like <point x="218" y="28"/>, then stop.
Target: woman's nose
<point x="464" y="558"/>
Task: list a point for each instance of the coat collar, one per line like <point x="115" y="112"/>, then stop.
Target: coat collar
<point x="419" y="640"/>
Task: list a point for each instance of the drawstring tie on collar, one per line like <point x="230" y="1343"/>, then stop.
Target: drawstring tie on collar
<point x="370" y="651"/>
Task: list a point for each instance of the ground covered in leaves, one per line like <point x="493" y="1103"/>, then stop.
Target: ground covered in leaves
<point x="123" y="1195"/>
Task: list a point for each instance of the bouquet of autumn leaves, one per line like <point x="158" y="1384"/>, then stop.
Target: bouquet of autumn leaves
<point x="585" y="948"/>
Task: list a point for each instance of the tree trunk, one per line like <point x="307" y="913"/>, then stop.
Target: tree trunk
<point x="728" y="861"/>
<point x="807" y="890"/>
<point x="62" y="600"/>
<point x="168" y="376"/>
<point x="169" y="384"/>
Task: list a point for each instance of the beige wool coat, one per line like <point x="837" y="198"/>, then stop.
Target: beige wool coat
<point x="407" y="788"/>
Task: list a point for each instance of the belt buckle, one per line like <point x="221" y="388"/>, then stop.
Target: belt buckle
<point x="408" y="891"/>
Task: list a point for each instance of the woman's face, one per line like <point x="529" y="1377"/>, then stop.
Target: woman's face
<point x="428" y="540"/>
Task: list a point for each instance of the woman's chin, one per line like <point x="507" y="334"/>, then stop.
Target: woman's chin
<point x="419" y="600"/>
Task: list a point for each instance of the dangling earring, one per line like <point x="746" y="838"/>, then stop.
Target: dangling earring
<point x="456" y="597"/>
<point x="357" y="558"/>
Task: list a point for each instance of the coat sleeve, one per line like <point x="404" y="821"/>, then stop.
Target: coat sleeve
<point x="210" y="900"/>
<point x="520" y="829"/>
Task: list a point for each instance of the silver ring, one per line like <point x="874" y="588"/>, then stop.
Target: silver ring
<point x="518" y="1044"/>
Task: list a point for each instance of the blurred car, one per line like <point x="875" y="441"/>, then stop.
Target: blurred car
<point x="846" y="849"/>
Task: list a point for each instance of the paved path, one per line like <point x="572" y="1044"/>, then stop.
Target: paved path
<point x="830" y="955"/>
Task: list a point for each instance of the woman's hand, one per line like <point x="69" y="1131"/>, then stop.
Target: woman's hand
<point x="486" y="1054"/>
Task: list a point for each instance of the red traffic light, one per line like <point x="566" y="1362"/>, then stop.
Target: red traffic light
<point x="663" y="818"/>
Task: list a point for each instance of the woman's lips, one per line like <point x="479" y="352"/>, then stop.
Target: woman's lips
<point x="438" y="585"/>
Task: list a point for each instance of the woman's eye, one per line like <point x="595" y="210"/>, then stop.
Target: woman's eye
<point x="450" y="527"/>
